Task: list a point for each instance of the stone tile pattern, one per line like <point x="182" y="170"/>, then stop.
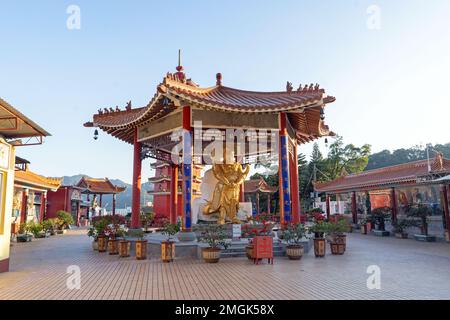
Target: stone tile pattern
<point x="409" y="270"/>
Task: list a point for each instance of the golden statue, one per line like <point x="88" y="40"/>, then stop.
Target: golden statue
<point x="225" y="199"/>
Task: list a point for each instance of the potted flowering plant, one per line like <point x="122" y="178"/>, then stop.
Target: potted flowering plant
<point x="168" y="245"/>
<point x="319" y="228"/>
<point x="215" y="236"/>
<point x="293" y="236"/>
<point x="99" y="225"/>
<point x="112" y="232"/>
<point x="336" y="235"/>
<point x="365" y="225"/>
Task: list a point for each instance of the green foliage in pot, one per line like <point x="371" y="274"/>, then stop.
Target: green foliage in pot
<point x="65" y="219"/>
<point x="294" y="233"/>
<point x="418" y="215"/>
<point x="379" y="216"/>
<point x="215" y="236"/>
<point x="319" y="227"/>
<point x="99" y="227"/>
<point x="337" y="228"/>
<point x="49" y="225"/>
<point x="24" y="228"/>
<point x="35" y="228"/>
<point x="171" y="229"/>
<point x="401" y="225"/>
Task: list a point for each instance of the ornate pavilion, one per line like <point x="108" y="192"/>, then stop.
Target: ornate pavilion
<point x="256" y="187"/>
<point x="287" y="118"/>
<point x="396" y="186"/>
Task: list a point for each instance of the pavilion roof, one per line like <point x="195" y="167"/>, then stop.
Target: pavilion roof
<point x="98" y="186"/>
<point x="15" y="125"/>
<point x="402" y="174"/>
<point x="258" y="185"/>
<point x="302" y="105"/>
<point x="30" y="179"/>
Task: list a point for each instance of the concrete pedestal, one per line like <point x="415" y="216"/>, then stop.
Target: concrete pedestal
<point x="186" y="236"/>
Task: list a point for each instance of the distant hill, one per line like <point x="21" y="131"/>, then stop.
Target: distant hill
<point x="387" y="158"/>
<point x="123" y="199"/>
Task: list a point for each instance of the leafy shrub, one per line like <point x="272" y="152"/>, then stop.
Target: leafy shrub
<point x="35" y="228"/>
<point x="65" y="219"/>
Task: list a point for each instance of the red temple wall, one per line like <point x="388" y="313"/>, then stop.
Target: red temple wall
<point x="58" y="200"/>
<point x="161" y="205"/>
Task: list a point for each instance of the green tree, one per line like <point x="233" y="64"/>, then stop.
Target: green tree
<point x="345" y="158"/>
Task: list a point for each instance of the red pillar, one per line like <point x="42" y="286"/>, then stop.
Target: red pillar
<point x="294" y="186"/>
<point x="242" y="193"/>
<point x="173" y="193"/>
<point x="268" y="203"/>
<point x="136" y="192"/>
<point x="445" y="205"/>
<point x="354" y="210"/>
<point x="328" y="206"/>
<point x="394" y="204"/>
<point x="23" y="211"/>
<point x="43" y="207"/>
<point x="101" y="201"/>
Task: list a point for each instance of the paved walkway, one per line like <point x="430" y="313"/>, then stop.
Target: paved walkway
<point x="409" y="270"/>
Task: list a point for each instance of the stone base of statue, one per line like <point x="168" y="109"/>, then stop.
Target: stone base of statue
<point x="185" y="236"/>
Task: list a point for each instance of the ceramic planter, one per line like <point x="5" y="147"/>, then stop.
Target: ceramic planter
<point x="141" y="249"/>
<point x="24" y="237"/>
<point x="425" y="238"/>
<point x="167" y="251"/>
<point x="211" y="255"/>
<point x="124" y="248"/>
<point x="295" y="252"/>
<point x="364" y="228"/>
<point x="102" y="241"/>
<point x="337" y="248"/>
<point x="319" y="247"/>
<point x="113" y="246"/>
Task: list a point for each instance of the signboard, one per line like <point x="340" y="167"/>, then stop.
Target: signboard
<point x="76" y="195"/>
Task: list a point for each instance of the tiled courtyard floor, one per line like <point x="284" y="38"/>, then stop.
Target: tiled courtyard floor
<point x="409" y="270"/>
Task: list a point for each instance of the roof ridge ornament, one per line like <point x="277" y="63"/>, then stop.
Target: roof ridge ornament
<point x="218" y="79"/>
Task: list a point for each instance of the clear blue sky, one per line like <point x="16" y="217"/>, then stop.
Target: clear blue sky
<point x="391" y="84"/>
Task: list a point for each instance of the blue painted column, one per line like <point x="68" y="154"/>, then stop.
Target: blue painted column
<point x="187" y="170"/>
<point x="283" y="172"/>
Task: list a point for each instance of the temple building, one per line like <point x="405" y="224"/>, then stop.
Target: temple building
<point x="161" y="188"/>
<point x="16" y="130"/>
<point x="30" y="194"/>
<point x="181" y="120"/>
<point x="82" y="199"/>
<point x="396" y="187"/>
